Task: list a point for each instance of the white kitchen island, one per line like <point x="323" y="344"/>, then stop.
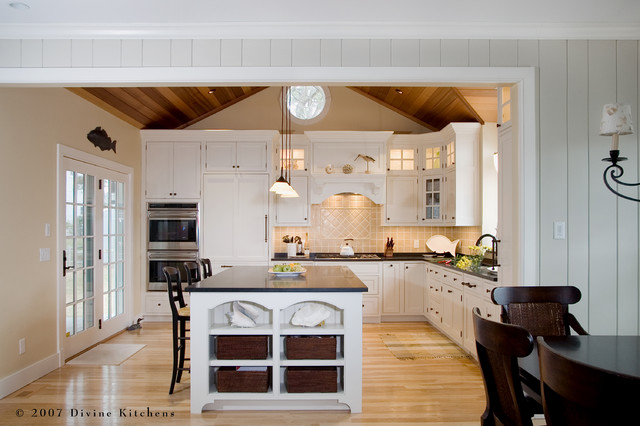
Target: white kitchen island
<point x="277" y="299"/>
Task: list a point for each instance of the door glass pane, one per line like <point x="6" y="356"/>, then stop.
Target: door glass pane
<point x="395" y="164"/>
<point x="114" y="247"/>
<point x="80" y="247"/>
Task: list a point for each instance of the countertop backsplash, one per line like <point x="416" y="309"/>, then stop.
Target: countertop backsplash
<point x="357" y="217"/>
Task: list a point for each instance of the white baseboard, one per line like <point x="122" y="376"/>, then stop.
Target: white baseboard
<point x="29" y="374"/>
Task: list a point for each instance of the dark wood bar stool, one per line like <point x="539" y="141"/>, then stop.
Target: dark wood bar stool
<point x="193" y="272"/>
<point x="180" y="314"/>
<point x="206" y="268"/>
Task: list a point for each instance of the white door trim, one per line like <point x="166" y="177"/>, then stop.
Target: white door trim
<point x="72" y="153"/>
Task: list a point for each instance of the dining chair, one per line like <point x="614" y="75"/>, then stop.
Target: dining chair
<point x="206" y="267"/>
<point x="575" y="393"/>
<point x="498" y="347"/>
<point x="180" y="315"/>
<point x="543" y="311"/>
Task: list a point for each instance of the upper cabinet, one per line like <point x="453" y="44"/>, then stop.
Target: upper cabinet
<point x="443" y="177"/>
<point x="238" y="151"/>
<point x="236" y="156"/>
<point x="172" y="170"/>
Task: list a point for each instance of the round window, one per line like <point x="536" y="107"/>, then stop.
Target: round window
<point x="308" y="103"/>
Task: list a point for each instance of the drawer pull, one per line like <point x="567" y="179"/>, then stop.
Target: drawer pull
<point x="449" y="291"/>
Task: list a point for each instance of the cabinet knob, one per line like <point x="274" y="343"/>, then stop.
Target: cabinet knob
<point x="488" y="315"/>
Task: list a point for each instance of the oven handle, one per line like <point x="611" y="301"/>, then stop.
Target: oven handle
<point x="172" y="215"/>
<point x="266" y="225"/>
<point x="163" y="255"/>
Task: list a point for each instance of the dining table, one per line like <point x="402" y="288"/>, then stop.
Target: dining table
<point x="618" y="354"/>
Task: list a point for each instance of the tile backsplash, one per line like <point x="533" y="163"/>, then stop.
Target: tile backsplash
<point x="356" y="216"/>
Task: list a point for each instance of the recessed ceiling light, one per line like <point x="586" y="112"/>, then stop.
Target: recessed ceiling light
<point x="212" y="90"/>
<point x="399" y="92"/>
<point x="19" y="5"/>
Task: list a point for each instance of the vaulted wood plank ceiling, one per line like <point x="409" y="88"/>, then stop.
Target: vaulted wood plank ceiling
<point x="180" y="107"/>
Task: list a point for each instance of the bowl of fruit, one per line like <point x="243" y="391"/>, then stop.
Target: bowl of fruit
<point x="287" y="270"/>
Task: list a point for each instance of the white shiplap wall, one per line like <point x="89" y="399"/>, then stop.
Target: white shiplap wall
<point x="576" y="77"/>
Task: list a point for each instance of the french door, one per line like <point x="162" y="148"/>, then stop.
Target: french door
<point x="95" y="263"/>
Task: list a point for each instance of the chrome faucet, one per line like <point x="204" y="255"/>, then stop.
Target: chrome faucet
<point x="494" y="248"/>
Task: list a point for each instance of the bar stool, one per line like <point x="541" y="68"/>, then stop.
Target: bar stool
<point x="193" y="272"/>
<point x="180" y="314"/>
<point x="206" y="268"/>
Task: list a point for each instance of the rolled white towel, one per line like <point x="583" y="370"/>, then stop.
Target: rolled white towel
<point x="310" y="315"/>
<point x="239" y="319"/>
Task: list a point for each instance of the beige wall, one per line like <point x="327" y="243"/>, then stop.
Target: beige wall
<point x="348" y="111"/>
<point x="32" y="123"/>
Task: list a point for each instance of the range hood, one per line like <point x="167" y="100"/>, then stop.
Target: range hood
<point x="372" y="186"/>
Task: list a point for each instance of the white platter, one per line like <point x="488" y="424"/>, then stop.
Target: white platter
<point x="287" y="274"/>
<point x="441" y="244"/>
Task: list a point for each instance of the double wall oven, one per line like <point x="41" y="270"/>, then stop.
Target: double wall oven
<point x="172" y="239"/>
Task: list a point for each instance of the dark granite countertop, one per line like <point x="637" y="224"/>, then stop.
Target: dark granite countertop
<point x="397" y="257"/>
<point x="259" y="279"/>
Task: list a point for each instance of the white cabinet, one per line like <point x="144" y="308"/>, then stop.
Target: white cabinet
<point x="402" y="158"/>
<point x="431" y="196"/>
<point x="391" y="288"/>
<point x="243" y="156"/>
<point x="172" y="170"/>
<point x="401" y="207"/>
<point x="462" y="174"/>
<point x="294" y="211"/>
<point x="235" y="218"/>
<point x="452" y="312"/>
<point x="403" y="288"/>
<point x="370" y="274"/>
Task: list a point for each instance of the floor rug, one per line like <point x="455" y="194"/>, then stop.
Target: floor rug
<point x="422" y="346"/>
<point x="107" y="354"/>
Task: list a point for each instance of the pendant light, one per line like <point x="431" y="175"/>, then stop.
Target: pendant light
<point x="282" y="185"/>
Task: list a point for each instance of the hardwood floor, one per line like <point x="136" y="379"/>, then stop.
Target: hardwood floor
<point x="429" y="391"/>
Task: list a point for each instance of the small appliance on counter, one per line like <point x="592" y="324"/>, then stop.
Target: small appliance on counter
<point x="346" y="249"/>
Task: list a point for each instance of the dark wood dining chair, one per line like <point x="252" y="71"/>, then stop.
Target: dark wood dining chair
<point x="180" y="315"/>
<point x="574" y="393"/>
<point x="498" y="347"/>
<point x="206" y="267"/>
<point x="543" y="311"/>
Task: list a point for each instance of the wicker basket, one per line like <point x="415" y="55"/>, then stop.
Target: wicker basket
<point x="242" y="347"/>
<point x="230" y="380"/>
<point x="310" y="347"/>
<point x="311" y="379"/>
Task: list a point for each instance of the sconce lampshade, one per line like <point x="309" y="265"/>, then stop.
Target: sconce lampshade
<point x="616" y="120"/>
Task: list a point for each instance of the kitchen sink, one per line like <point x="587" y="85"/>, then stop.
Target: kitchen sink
<point x="336" y="256"/>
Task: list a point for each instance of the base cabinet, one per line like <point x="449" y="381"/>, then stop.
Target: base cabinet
<point x="451" y="297"/>
<point x="291" y="367"/>
<point x="403" y="288"/>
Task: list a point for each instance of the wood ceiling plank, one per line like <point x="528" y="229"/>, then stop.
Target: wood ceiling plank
<point x="126" y="103"/>
<point x="394" y="109"/>
<point x="222" y="107"/>
<point x="470" y="109"/>
<point x="139" y="100"/>
<point x="99" y="102"/>
<point x="164" y="106"/>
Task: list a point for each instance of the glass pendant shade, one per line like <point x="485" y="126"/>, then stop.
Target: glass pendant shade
<point x="291" y="193"/>
<point x="280" y="186"/>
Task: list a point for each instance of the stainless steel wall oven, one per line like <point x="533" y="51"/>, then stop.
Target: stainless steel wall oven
<point x="172" y="226"/>
<point x="172" y="239"/>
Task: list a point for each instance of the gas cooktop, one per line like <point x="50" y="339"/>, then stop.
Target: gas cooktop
<point x="338" y="257"/>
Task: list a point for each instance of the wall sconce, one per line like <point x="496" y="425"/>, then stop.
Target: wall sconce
<point x="616" y="121"/>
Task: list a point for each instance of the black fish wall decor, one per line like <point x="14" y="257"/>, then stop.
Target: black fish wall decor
<point x="99" y="138"/>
